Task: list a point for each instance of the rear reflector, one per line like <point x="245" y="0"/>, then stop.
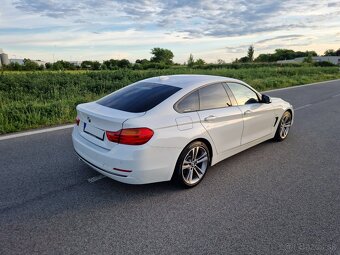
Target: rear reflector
<point x="77" y="121"/>
<point x="130" y="136"/>
<point x="122" y="170"/>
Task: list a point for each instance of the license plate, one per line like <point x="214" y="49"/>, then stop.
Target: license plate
<point x="96" y="132"/>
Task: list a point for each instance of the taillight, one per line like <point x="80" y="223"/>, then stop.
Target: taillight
<point x="130" y="136"/>
<point x="113" y="136"/>
<point x="135" y="136"/>
<point x="77" y="121"/>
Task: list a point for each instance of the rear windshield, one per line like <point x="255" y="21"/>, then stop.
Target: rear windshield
<point x="139" y="97"/>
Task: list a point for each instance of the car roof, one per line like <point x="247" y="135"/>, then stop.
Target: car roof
<point x="189" y="80"/>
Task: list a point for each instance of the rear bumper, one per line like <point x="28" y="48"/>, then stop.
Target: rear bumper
<point x="125" y="163"/>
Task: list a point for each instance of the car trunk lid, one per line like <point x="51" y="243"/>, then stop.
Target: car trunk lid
<point x="96" y="119"/>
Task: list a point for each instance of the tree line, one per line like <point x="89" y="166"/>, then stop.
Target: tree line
<point x="163" y="59"/>
<point x="283" y="54"/>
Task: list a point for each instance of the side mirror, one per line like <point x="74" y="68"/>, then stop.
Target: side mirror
<point x="266" y="99"/>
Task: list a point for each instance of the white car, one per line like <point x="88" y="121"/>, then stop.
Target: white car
<point x="175" y="127"/>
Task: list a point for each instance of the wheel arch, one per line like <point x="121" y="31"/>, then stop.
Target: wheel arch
<point x="207" y="143"/>
<point x="291" y="112"/>
<point x="174" y="176"/>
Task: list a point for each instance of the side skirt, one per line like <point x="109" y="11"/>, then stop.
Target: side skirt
<point x="236" y="150"/>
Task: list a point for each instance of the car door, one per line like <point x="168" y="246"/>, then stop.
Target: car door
<point x="222" y="121"/>
<point x="258" y="118"/>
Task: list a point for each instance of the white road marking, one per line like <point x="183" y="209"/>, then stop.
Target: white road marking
<point x="301" y="107"/>
<point x="299" y="86"/>
<point x="33" y="132"/>
<point x="96" y="178"/>
<point x="338" y="95"/>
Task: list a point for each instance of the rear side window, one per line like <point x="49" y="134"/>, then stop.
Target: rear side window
<point x="139" y="97"/>
<point x="189" y="103"/>
<point x="213" y="96"/>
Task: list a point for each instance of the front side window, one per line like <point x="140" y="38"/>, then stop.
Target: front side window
<point x="213" y="96"/>
<point x="139" y="97"/>
<point x="189" y="103"/>
<point x="243" y="94"/>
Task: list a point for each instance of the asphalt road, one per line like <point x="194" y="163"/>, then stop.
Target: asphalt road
<point x="275" y="198"/>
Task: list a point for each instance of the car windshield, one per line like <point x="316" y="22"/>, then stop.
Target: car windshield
<point x="139" y="97"/>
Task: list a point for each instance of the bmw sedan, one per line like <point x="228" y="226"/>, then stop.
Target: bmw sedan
<point x="175" y="127"/>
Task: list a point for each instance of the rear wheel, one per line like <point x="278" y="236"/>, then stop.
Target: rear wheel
<point x="192" y="164"/>
<point x="283" y="127"/>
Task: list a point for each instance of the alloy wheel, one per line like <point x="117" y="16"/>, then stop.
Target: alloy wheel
<point x="285" y="125"/>
<point x="195" y="165"/>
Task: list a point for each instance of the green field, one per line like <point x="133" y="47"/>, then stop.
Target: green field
<point x="42" y="98"/>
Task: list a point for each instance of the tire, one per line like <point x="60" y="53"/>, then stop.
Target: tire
<point x="192" y="165"/>
<point x="283" y="127"/>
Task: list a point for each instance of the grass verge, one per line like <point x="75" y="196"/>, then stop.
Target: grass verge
<point x="39" y="99"/>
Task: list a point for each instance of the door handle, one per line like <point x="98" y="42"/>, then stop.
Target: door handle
<point x="210" y="118"/>
<point x="247" y="112"/>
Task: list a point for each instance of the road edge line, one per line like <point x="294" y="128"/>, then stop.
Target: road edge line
<point x="34" y="132"/>
<point x="302" y="85"/>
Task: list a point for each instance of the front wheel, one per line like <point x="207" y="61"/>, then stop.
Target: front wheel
<point x="192" y="164"/>
<point x="283" y="127"/>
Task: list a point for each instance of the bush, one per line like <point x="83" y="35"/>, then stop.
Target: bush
<point x="323" y="63"/>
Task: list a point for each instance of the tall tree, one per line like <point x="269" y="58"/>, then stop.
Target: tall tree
<point x="251" y="53"/>
<point x="191" y="60"/>
<point x="162" y="56"/>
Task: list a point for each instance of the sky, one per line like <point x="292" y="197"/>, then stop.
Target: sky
<point x="51" y="30"/>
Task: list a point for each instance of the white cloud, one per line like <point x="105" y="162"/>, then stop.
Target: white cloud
<point x="202" y="27"/>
